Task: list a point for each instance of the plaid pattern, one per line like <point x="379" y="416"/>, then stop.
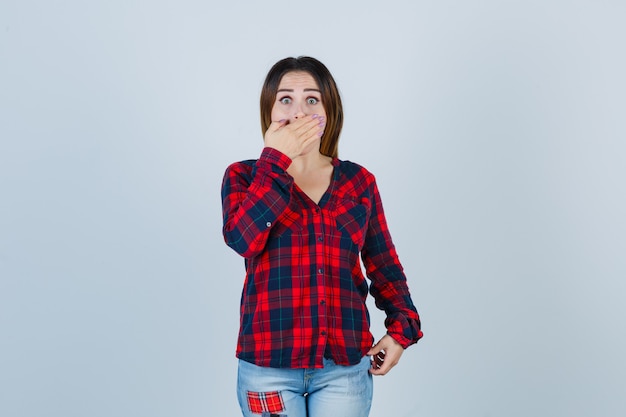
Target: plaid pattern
<point x="304" y="292"/>
<point x="265" y="402"/>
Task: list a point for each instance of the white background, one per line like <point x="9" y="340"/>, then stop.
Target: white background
<point x="496" y="130"/>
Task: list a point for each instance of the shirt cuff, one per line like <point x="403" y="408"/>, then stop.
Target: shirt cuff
<point x="275" y="157"/>
<point x="403" y="341"/>
<point x="405" y="337"/>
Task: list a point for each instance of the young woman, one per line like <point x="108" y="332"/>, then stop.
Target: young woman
<point x="302" y="219"/>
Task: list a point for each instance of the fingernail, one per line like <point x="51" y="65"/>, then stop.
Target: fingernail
<point x="281" y="121"/>
<point x="320" y="133"/>
<point x="322" y="124"/>
<point x="315" y="116"/>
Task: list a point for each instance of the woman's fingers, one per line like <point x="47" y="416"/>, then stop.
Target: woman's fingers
<point x="314" y="128"/>
<point x="311" y="133"/>
<point x="274" y="126"/>
<point x="296" y="138"/>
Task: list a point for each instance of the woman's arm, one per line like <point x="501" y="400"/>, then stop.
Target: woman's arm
<point x="253" y="198"/>
<point x="389" y="285"/>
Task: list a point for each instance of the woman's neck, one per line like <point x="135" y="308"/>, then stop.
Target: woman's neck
<point x="312" y="161"/>
<point x="312" y="173"/>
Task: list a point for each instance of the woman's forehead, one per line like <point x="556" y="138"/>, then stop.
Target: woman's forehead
<point x="300" y="79"/>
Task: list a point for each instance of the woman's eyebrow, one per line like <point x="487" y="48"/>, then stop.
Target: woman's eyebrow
<point x="290" y="90"/>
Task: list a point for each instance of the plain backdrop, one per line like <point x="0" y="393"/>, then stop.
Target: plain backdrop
<point x="496" y="130"/>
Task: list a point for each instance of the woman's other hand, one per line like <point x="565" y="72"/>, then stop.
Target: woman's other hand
<point x="385" y="355"/>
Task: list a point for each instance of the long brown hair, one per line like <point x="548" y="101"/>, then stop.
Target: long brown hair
<point x="328" y="89"/>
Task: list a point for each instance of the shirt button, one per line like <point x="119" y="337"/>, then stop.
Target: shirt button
<point x="323" y="332"/>
<point x="323" y="302"/>
<point x="321" y="238"/>
<point x="268" y="224"/>
<point x="321" y="271"/>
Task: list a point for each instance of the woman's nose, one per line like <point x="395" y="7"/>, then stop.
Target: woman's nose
<point x="299" y="113"/>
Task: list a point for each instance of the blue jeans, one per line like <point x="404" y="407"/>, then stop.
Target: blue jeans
<point x="341" y="391"/>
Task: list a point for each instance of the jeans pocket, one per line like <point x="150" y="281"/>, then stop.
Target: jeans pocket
<point x="360" y="379"/>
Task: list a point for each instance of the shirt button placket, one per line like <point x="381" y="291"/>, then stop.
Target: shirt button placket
<point x="319" y="248"/>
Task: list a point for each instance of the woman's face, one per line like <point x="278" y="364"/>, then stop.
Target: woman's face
<point x="298" y="96"/>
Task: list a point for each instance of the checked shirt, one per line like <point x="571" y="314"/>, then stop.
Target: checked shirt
<point x="304" y="291"/>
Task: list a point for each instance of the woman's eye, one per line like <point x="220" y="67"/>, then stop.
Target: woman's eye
<point x="285" y="100"/>
<point x="312" y="100"/>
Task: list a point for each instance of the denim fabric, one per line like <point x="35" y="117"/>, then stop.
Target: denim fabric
<point x="335" y="390"/>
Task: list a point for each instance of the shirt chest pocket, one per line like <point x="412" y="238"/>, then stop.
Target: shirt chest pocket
<point x="352" y="218"/>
